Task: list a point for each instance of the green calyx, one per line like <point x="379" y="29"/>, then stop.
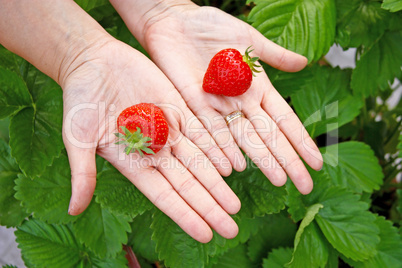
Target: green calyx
<point x="134" y="141"/>
<point x="251" y="61"/>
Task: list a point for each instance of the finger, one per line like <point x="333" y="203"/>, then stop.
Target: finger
<point x="190" y="189"/>
<point x="280" y="147"/>
<point x="202" y="169"/>
<point x="161" y="193"/>
<point x="196" y="132"/>
<point x="277" y="56"/>
<point x="158" y="190"/>
<point x="288" y="122"/>
<point x="220" y="132"/>
<point x="83" y="178"/>
<point x="246" y="137"/>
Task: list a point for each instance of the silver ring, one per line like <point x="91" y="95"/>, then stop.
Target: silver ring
<point x="232" y="116"/>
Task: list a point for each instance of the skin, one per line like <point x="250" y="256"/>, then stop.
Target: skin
<point x="193" y="195"/>
<point x="181" y="38"/>
<point x="100" y="77"/>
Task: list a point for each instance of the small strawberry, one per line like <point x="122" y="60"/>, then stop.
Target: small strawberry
<point x="229" y="73"/>
<point x="143" y="128"/>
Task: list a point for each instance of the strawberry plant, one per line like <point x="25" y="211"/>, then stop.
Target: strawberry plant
<point x="352" y="218"/>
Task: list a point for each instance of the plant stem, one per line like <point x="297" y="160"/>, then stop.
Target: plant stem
<point x="393" y="132"/>
<point x="130" y="256"/>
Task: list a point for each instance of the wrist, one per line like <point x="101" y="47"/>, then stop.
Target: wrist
<point x="140" y="15"/>
<point x="52" y="35"/>
<point x="79" y="49"/>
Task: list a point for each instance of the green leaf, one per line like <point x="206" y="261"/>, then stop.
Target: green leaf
<point x="312" y="249"/>
<point x="359" y="22"/>
<point x="178" y="249"/>
<point x="333" y="259"/>
<point x="14" y="95"/>
<point x="288" y="83"/>
<point x="87" y="5"/>
<point x="35" y="132"/>
<point x="116" y="193"/>
<point x="47" y="245"/>
<point x="303" y="26"/>
<point x="235" y="257"/>
<point x="51" y="245"/>
<point x="4" y="132"/>
<point x="344" y="220"/>
<point x="278" y="258"/>
<point x="378" y="65"/>
<point x="308" y="218"/>
<point x="101" y="164"/>
<point x="327" y="103"/>
<point x="119" y="261"/>
<point x="140" y="237"/>
<point x="309" y="241"/>
<point x="278" y="231"/>
<point x="248" y="227"/>
<point x="298" y="204"/>
<point x="257" y="195"/>
<point x="245" y="187"/>
<point x="11" y="212"/>
<point x="352" y="165"/>
<point x="101" y="231"/>
<point x="389" y="250"/>
<point x="48" y="196"/>
<point x="10" y="60"/>
<point x="378" y="134"/>
<point x="392" y="5"/>
<point x="120" y="31"/>
<point x="104" y="14"/>
<point x="348" y="226"/>
<point x="349" y="131"/>
<point x="144" y="263"/>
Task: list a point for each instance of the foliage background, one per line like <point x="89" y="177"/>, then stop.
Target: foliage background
<point x="352" y="217"/>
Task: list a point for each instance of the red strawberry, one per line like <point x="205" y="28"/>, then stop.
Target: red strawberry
<point x="143" y="128"/>
<point x="229" y="73"/>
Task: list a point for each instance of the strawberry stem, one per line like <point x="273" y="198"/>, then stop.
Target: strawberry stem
<point x="134" y="141"/>
<point x="251" y="61"/>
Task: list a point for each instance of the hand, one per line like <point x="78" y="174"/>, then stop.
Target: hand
<point x="179" y="180"/>
<point x="182" y="39"/>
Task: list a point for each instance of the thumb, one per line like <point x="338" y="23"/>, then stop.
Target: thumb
<point x="83" y="178"/>
<point x="277" y="56"/>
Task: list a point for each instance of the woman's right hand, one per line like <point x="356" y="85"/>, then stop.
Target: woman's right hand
<point x="100" y="77"/>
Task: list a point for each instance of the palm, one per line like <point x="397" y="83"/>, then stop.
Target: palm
<point x="175" y="45"/>
<point x="182" y="45"/>
<point x="108" y="86"/>
<point x="95" y="94"/>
